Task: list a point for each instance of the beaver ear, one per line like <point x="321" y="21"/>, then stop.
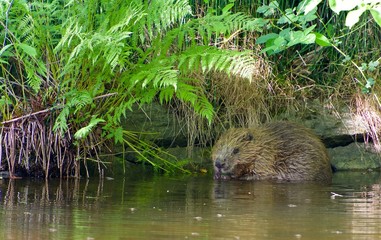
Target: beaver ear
<point x="249" y="137"/>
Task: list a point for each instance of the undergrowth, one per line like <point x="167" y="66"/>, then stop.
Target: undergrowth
<point x="71" y="71"/>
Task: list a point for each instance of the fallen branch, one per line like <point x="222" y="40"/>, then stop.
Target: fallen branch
<point x="51" y="109"/>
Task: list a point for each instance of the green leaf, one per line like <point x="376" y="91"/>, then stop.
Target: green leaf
<point x="116" y="133"/>
<point x="265" y="38"/>
<point x="353" y="17"/>
<point x="307" y="6"/>
<point x="268" y="10"/>
<point x="297" y="37"/>
<point x="84" y="132"/>
<point x="204" y="108"/>
<point x="373" y="65"/>
<point x="4" y="49"/>
<point x="288" y="17"/>
<point x="342" y="5"/>
<point x="308" y="30"/>
<point x="304" y="19"/>
<point x="346" y="59"/>
<point x="227" y="8"/>
<point x="280" y="42"/>
<point x="166" y="94"/>
<point x="370" y="82"/>
<point x="263" y="9"/>
<point x="258" y="24"/>
<point x="61" y="121"/>
<point x="376" y="13"/>
<point x="322" y="40"/>
<point x="29" y="50"/>
<point x="364" y="66"/>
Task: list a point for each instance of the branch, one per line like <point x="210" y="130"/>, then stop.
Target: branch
<point x="52" y="108"/>
<point x="33" y="114"/>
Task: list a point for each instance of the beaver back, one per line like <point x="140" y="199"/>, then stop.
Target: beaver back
<point x="280" y="150"/>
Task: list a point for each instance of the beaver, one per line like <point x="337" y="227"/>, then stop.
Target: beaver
<point x="277" y="151"/>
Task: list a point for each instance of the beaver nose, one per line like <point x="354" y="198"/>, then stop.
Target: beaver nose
<point x="219" y="164"/>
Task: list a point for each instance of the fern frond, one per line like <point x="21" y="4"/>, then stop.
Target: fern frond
<point x="84" y="131"/>
<point x="166" y="94"/>
<point x="160" y="17"/>
<point x="131" y="16"/>
<point x="157" y="75"/>
<point x="33" y="80"/>
<point x="26" y="28"/>
<point x="209" y="58"/>
<point x="187" y="93"/>
<point x="60" y="124"/>
<point x="204" y="108"/>
<point x="116" y="112"/>
<point x="78" y="99"/>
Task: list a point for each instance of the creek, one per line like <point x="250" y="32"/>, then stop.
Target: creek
<point x="145" y="206"/>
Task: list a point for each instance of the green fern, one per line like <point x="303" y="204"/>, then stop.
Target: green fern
<point x="84" y="131"/>
<point x="61" y="126"/>
<point x="187" y="93"/>
<point x="78" y="99"/>
<point x="26" y="28"/>
<point x="160" y="17"/>
<point x="212" y="59"/>
<point x="204" y="108"/>
<point x="114" y="54"/>
<point x="166" y="95"/>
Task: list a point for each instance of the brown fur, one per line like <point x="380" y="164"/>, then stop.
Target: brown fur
<point x="280" y="150"/>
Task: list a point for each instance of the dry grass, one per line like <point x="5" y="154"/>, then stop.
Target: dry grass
<point x="30" y="145"/>
<point x="237" y="102"/>
<point x="368" y="109"/>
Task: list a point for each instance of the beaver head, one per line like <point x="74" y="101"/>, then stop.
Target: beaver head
<point x="226" y="153"/>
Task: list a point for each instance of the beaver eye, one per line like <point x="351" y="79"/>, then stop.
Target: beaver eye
<point x="235" y="150"/>
<point x="248" y="137"/>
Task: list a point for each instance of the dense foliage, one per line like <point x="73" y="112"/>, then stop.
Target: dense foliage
<point x="71" y="70"/>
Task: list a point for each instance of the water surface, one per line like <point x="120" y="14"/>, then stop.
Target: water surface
<point x="192" y="207"/>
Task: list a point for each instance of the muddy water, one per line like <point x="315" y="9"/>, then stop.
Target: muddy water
<point x="159" y="207"/>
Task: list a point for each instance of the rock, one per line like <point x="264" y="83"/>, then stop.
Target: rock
<point x="355" y="156"/>
<point x="341" y="131"/>
<point x="337" y="126"/>
<point x="158" y="125"/>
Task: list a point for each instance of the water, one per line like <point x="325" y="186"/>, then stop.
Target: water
<point x="152" y="207"/>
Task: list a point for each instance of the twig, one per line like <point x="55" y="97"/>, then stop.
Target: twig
<point x="33" y="114"/>
<point x="52" y="108"/>
<point x="106" y="95"/>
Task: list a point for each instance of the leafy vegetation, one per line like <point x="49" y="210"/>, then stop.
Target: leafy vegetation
<point x="71" y="70"/>
<point x="316" y="50"/>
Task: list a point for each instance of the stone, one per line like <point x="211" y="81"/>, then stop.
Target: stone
<point x="355" y="156"/>
<point x="157" y="124"/>
<point x="341" y="131"/>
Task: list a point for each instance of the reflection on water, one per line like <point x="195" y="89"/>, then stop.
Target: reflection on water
<point x="149" y="207"/>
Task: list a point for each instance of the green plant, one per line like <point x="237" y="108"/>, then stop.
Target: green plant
<point x="78" y="68"/>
